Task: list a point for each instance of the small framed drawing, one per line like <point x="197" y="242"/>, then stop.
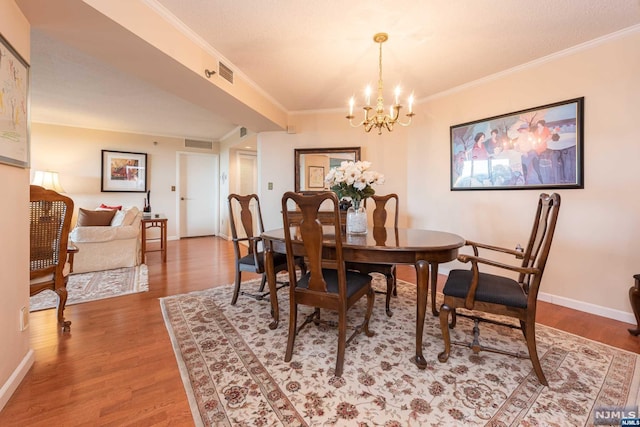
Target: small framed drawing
<point x="14" y="107"/>
<point x="316" y="177"/>
<point x="541" y="147"/>
<point x="124" y="172"/>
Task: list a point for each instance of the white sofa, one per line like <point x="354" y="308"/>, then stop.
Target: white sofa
<point x="106" y="247"/>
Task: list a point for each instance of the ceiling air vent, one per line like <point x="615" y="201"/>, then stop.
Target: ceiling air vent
<point x="194" y="143"/>
<point x="225" y="72"/>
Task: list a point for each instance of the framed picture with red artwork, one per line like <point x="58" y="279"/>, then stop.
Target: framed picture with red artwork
<point x="124" y="172"/>
<point x="537" y="148"/>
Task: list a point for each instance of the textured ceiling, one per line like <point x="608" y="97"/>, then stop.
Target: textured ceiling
<point x="309" y="56"/>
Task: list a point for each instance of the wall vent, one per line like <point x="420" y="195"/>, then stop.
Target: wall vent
<point x="225" y="72"/>
<point x="243" y="131"/>
<point x="194" y="143"/>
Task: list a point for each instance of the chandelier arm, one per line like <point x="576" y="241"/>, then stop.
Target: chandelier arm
<point x="367" y="112"/>
<point x="410" y="115"/>
<point x="396" y="112"/>
<point x="355" y="126"/>
<point x="368" y="126"/>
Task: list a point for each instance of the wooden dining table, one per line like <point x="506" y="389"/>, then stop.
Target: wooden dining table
<point x="422" y="248"/>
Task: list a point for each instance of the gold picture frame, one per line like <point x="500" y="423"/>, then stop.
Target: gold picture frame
<point x="14" y="107"/>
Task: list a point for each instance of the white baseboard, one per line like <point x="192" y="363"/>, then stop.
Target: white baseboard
<point x="16" y="378"/>
<point x="588" y="308"/>
<point x="218" y="235"/>
<point x="598" y="310"/>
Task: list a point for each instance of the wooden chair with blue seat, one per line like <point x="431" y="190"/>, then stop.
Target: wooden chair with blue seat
<point x="245" y="209"/>
<point x="321" y="288"/>
<point x="500" y="294"/>
<point x="49" y="224"/>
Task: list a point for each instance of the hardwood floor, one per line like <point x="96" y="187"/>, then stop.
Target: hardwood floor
<point x="117" y="366"/>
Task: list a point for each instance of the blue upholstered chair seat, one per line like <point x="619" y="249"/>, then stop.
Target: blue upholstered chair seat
<point x="355" y="281"/>
<point x="491" y="288"/>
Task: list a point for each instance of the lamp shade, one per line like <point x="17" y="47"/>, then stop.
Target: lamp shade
<point x="48" y="180"/>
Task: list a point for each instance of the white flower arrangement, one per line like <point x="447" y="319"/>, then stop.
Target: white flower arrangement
<point x="354" y="180"/>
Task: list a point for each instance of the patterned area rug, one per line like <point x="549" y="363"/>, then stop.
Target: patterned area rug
<point x="96" y="285"/>
<point x="234" y="372"/>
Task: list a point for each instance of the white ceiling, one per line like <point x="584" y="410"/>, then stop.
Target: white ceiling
<point x="304" y="55"/>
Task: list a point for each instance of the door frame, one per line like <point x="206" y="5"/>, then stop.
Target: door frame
<point x="216" y="182"/>
<point x="245" y="155"/>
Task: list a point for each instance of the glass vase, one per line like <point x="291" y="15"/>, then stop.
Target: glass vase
<point x="357" y="218"/>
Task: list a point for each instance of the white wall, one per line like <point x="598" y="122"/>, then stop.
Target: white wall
<point x="16" y="357"/>
<point x="594" y="254"/>
<point x="387" y="153"/>
<point x="76" y="154"/>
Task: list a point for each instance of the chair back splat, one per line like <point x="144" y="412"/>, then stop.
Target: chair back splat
<point x="490" y="293"/>
<point x="383" y="205"/>
<point x="321" y="288"/>
<point x="380" y="212"/>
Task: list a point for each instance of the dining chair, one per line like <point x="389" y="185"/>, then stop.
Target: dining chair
<point x="321" y="288"/>
<point x="49" y="224"/>
<point x="245" y="219"/>
<point x="490" y="293"/>
<point x="380" y="216"/>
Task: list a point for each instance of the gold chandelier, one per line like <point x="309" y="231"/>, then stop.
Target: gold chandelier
<point x="380" y="119"/>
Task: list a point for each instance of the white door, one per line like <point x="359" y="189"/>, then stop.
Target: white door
<point x="248" y="172"/>
<point x="198" y="191"/>
<point x="247" y="163"/>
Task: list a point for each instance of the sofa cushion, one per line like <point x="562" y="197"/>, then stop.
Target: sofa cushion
<point x="124" y="217"/>
<point x="115" y="208"/>
<point x="88" y="218"/>
<point x="103" y="234"/>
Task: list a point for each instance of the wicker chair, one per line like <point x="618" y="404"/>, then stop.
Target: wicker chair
<point x="50" y="220"/>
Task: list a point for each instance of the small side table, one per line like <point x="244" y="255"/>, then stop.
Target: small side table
<point x="72" y="250"/>
<point x="155" y="220"/>
<point x="634" y="297"/>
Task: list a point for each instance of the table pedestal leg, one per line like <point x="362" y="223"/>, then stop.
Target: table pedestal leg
<point x="634" y="297"/>
<point x="422" y="276"/>
<point x="273" y="286"/>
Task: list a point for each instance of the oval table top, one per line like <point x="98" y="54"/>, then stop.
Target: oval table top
<point x="387" y="239"/>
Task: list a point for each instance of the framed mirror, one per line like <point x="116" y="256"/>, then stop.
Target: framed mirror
<point x="313" y="164"/>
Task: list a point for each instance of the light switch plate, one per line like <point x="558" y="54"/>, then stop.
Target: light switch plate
<point x="24" y="318"/>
